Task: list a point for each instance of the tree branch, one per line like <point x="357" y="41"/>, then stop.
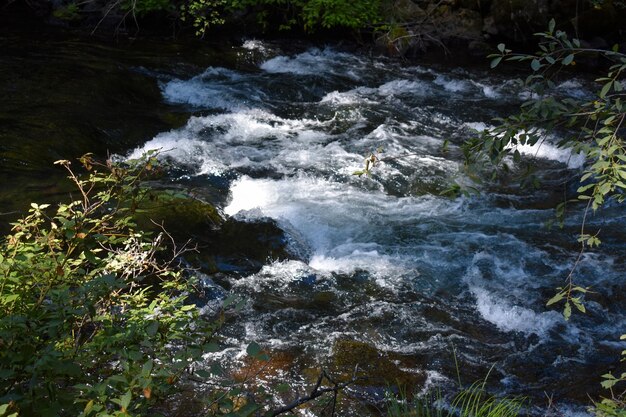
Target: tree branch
<point x="316" y="393"/>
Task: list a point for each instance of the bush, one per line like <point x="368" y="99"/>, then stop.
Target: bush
<point x="95" y="317"/>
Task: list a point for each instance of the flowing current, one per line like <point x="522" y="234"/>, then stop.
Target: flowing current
<point x="385" y="259"/>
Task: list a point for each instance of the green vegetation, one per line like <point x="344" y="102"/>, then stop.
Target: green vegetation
<point x="472" y="401"/>
<point x="593" y="127"/>
<point x="284" y="14"/>
<point x="96" y="317"/>
<point x="99" y="317"/>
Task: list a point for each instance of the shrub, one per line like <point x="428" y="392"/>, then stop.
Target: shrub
<point x="95" y="317"/>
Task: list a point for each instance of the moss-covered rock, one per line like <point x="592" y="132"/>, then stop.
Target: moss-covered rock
<point x="181" y="215"/>
<point x="226" y="245"/>
<point x="376" y="369"/>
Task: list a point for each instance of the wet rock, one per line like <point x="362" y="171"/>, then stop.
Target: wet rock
<point x="480" y="49"/>
<point x="489" y="26"/>
<point x="231" y="246"/>
<point x="470" y="22"/>
<point x="516" y="19"/>
<point x="377" y="371"/>
<point x="241" y="246"/>
<point x="469" y="4"/>
<point x="181" y="215"/>
<point x="597" y="20"/>
<point x="280" y="364"/>
<point x="406" y="11"/>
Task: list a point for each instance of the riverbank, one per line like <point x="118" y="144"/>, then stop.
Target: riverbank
<point x="396" y="27"/>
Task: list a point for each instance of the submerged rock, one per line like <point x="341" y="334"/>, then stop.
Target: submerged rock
<point x="378" y="371"/>
<point x="223" y="245"/>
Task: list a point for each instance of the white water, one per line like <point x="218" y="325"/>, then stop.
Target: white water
<point x="410" y="271"/>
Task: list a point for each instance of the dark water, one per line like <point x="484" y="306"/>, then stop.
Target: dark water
<point x="382" y="260"/>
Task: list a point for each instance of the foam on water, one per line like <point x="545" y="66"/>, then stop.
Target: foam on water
<point x="574" y="88"/>
<point x="250" y="139"/>
<point x="489" y="91"/>
<point x="216" y="88"/>
<point x="403" y="87"/>
<point x="453" y="85"/>
<point x="509" y="317"/>
<point x="547" y="150"/>
<point x="254" y="45"/>
<point x="352" y="97"/>
<point x="338" y="221"/>
<point x="317" y="62"/>
<point x="405" y="273"/>
<point x="477" y="126"/>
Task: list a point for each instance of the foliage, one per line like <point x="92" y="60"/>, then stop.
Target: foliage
<point x="615" y="406"/>
<point x="428" y="405"/>
<point x="95" y="316"/>
<point x="68" y="12"/>
<point x="340" y="13"/>
<point x="369" y="163"/>
<point x="203" y="14"/>
<point x="476" y="402"/>
<point x="284" y="14"/>
<point x="594" y="127"/>
<point x="143" y="7"/>
<point x="472" y="401"/>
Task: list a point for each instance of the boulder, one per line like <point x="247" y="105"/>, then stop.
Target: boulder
<point x="516" y="19"/>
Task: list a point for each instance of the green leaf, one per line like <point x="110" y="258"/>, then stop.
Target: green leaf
<point x="567" y="311"/>
<point x="152" y="328"/>
<point x="495" y="62"/>
<point x="125" y="399"/>
<point x="210" y="347"/>
<point x="579" y="305"/>
<point x="551" y="25"/>
<point x="568" y="59"/>
<point x="606" y="89"/>
<point x="555" y="299"/>
<point x="147" y="369"/>
<point x="535" y="65"/>
<point x="90" y="256"/>
<point x="204" y="374"/>
<point x="6" y="299"/>
<point x="284" y="387"/>
<point x="88" y="407"/>
<point x="608" y="383"/>
<point x="253" y="349"/>
<point x="501" y="47"/>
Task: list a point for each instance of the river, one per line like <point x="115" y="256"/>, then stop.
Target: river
<point x="275" y="130"/>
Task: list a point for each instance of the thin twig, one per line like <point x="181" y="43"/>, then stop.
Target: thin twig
<point x="316" y="393"/>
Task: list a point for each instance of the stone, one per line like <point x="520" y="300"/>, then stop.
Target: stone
<point x="489" y="26"/>
<point x="376" y="369"/>
<point x="516" y="19"/>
